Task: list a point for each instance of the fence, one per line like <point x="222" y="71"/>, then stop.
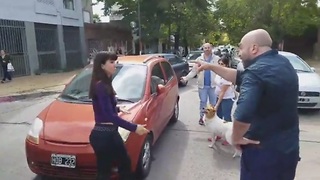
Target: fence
<point x="47" y="47"/>
<point x="13" y="41"/>
<point x="72" y="42"/>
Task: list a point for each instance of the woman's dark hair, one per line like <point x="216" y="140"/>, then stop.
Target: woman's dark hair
<point x="225" y="60"/>
<point x="98" y="73"/>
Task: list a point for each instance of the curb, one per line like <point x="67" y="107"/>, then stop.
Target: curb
<point x="31" y="94"/>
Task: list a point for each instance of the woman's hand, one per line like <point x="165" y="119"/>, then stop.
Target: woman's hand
<point x="216" y="107"/>
<point x="141" y="130"/>
<point x="123" y="110"/>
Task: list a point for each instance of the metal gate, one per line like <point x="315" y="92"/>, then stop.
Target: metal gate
<point x="72" y="42"/>
<point x="13" y="41"/>
<point x="47" y="47"/>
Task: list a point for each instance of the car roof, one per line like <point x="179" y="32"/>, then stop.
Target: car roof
<point x="135" y="59"/>
<point x="285" y="53"/>
<point x="165" y="55"/>
<point x="197" y="51"/>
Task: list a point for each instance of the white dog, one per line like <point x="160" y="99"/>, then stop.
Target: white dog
<point x="219" y="127"/>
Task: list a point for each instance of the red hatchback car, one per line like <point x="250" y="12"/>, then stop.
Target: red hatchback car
<point x="57" y="144"/>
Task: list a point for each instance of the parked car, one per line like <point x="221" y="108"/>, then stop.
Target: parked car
<point x="309" y="81"/>
<point x="180" y="66"/>
<point x="191" y="58"/>
<point x="58" y="145"/>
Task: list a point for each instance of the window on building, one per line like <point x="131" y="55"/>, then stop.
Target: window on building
<point x="68" y="4"/>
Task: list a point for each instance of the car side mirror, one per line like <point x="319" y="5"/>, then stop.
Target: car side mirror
<point x="313" y="69"/>
<point x="160" y="89"/>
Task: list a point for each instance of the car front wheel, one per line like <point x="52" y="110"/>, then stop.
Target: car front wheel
<point x="175" y="115"/>
<point x="144" y="163"/>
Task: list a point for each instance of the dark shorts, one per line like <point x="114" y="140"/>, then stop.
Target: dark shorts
<point x="268" y="164"/>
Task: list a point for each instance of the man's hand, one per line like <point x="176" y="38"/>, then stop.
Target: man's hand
<point x="244" y="141"/>
<point x="123" y="110"/>
<point x="183" y="79"/>
<point x="203" y="66"/>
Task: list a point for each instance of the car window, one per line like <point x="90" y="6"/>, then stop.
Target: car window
<point x="157" y="77"/>
<point x="128" y="82"/>
<point x="168" y="70"/>
<point x="173" y="61"/>
<point x="193" y="55"/>
<point x="298" y="64"/>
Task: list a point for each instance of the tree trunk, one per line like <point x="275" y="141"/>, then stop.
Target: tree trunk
<point x="316" y="48"/>
<point x="177" y="39"/>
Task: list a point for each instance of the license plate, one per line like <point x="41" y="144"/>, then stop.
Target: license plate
<point x="63" y="160"/>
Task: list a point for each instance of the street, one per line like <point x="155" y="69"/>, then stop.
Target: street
<point x="181" y="153"/>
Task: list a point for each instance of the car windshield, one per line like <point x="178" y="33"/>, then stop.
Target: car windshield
<point x="193" y="55"/>
<point x="299" y="64"/>
<point x="128" y="82"/>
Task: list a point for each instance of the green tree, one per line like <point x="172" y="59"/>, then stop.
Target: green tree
<point x="160" y="19"/>
<point x="280" y="18"/>
<point x="96" y="18"/>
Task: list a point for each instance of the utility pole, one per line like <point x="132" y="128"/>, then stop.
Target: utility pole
<point x="139" y="21"/>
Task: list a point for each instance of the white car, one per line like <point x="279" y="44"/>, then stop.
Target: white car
<point x="309" y="81"/>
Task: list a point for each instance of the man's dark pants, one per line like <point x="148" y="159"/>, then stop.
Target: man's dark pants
<point x="267" y="164"/>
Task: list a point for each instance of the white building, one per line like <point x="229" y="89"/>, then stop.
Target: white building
<point x="43" y="35"/>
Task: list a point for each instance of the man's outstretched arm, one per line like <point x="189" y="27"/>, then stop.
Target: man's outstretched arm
<point x="228" y="74"/>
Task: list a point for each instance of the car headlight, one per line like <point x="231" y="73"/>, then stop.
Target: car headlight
<point x="124" y="133"/>
<point x="34" y="132"/>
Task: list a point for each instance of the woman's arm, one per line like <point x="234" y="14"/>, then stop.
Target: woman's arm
<point x="224" y="89"/>
<point x="108" y="109"/>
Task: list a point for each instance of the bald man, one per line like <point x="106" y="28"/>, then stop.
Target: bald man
<point x="266" y="122"/>
<point x="206" y="83"/>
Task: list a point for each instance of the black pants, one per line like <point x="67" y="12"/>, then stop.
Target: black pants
<point x="108" y="147"/>
<point x="6" y="74"/>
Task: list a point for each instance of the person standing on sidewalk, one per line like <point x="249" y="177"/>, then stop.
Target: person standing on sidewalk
<point x="206" y="83"/>
<point x="266" y="120"/>
<point x="105" y="139"/>
<point x="5" y="60"/>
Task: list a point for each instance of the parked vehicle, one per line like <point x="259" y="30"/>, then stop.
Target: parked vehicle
<point x="309" y="81"/>
<point x="179" y="65"/>
<point x="191" y="58"/>
<point x="58" y="145"/>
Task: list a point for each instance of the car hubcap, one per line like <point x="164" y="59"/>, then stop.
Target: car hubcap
<point x="146" y="155"/>
<point x="176" y="110"/>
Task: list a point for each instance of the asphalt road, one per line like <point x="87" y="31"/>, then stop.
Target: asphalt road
<point x="181" y="153"/>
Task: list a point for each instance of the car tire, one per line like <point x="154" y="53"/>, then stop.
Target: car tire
<point x="145" y="159"/>
<point x="175" y="115"/>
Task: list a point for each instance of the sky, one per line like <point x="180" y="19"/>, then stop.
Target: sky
<point x="97" y="10"/>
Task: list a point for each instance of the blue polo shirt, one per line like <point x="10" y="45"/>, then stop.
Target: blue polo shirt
<point x="207" y="74"/>
<point x="268" y="101"/>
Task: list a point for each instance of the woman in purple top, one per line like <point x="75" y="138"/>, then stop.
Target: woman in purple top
<point x="105" y="139"/>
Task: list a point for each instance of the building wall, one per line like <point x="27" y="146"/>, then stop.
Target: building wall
<point x="42" y="11"/>
<point x="108" y="37"/>
<point x="87" y="11"/>
<point x="42" y="35"/>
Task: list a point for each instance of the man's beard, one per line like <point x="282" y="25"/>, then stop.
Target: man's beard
<point x="246" y="63"/>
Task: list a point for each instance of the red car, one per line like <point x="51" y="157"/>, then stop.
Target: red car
<point x="57" y="144"/>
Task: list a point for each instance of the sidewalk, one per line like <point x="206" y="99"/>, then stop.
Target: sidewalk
<point x="33" y="84"/>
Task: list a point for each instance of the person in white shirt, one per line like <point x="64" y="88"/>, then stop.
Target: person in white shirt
<point x="225" y="92"/>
